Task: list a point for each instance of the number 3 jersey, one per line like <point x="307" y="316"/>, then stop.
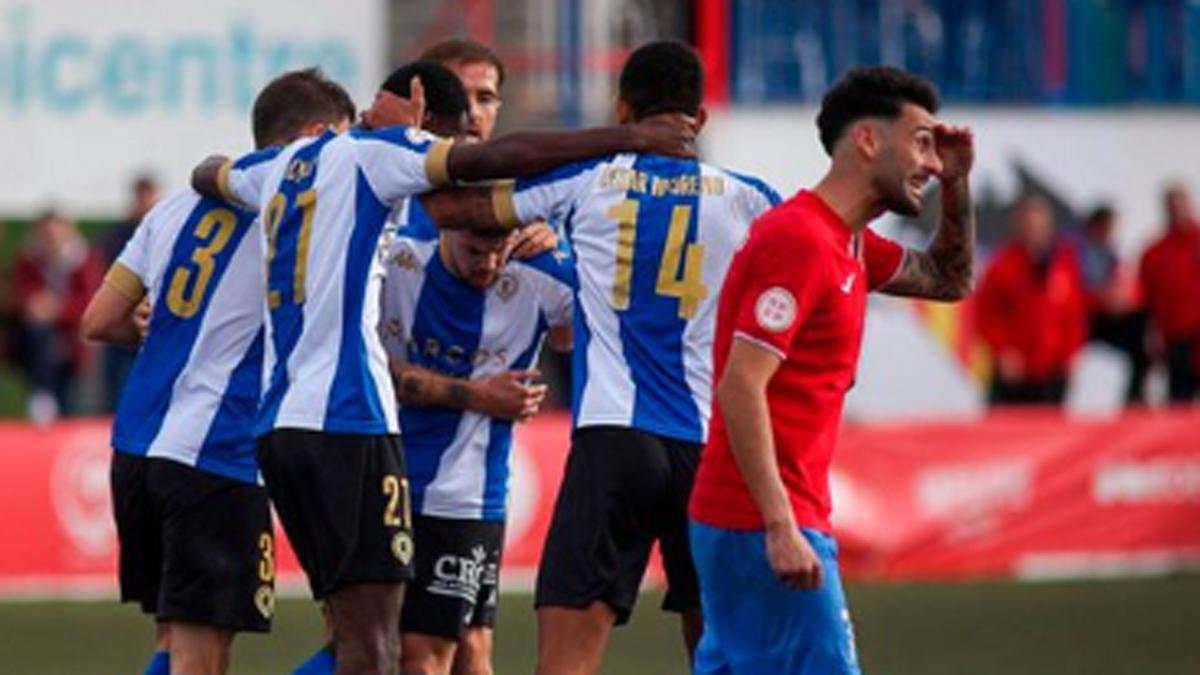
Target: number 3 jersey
<point x="324" y="202"/>
<point x="192" y="394"/>
<point x="652" y="238"/>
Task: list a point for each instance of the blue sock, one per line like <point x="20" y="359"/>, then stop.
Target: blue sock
<point x="159" y="664"/>
<point x="321" y="663"/>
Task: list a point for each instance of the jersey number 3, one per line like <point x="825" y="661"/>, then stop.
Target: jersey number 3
<point x="687" y="285"/>
<point x="189" y="282"/>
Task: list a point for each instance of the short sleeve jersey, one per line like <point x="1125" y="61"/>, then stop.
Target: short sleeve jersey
<point x="652" y="238"/>
<point x="193" y="391"/>
<point x="797" y="288"/>
<point x="324" y="204"/>
<point x="458" y="461"/>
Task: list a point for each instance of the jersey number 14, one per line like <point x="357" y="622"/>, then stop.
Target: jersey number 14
<point x="686" y="284"/>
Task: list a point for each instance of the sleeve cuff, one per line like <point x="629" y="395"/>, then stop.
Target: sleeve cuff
<point x="123" y="280"/>
<point x="437" y="162"/>
<point x="503" y="206"/>
<point x="759" y="342"/>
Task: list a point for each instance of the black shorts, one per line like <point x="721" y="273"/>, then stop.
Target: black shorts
<point x="623" y="489"/>
<point x="195" y="546"/>
<point x="343" y="500"/>
<point x="458" y="573"/>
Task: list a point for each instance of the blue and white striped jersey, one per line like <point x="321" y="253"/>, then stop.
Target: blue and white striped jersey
<point x="652" y="238"/>
<point x="192" y="395"/>
<point x="458" y="461"/>
<point x="324" y="202"/>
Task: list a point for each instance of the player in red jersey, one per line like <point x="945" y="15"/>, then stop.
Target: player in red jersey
<point x="789" y="328"/>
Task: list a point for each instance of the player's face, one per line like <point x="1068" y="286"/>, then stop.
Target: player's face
<point x="482" y="82"/>
<point x="909" y="160"/>
<point x="476" y="259"/>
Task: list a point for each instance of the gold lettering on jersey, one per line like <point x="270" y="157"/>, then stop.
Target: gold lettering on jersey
<point x="639" y="182"/>
<point x="622" y="178"/>
<point x="442" y="357"/>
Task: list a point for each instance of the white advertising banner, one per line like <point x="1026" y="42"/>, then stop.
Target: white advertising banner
<point x="94" y="91"/>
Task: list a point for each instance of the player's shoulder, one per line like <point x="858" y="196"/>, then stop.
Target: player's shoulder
<point x="746" y="183"/>
<point x="554" y="265"/>
<point x="412" y="138"/>
<point x="258" y="158"/>
<point x="410" y="255"/>
<point x="567" y="172"/>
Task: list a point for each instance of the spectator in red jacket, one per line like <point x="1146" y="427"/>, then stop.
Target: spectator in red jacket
<point x="1170" y="277"/>
<point x="54" y="275"/>
<point x="1031" y="309"/>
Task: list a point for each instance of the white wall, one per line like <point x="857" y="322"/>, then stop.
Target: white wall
<point x="92" y="91"/>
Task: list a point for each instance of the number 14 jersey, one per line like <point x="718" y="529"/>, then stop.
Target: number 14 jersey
<point x="652" y="239"/>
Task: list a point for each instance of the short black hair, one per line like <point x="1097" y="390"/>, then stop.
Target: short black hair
<point x="874" y="91"/>
<point x="663" y="77"/>
<point x="444" y="93"/>
<point x="295" y="100"/>
<point x="459" y="50"/>
<point x="1099" y="215"/>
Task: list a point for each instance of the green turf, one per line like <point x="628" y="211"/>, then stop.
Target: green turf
<point x="1136" y="627"/>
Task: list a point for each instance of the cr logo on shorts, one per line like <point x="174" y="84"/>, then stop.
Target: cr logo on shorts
<point x="775" y="309"/>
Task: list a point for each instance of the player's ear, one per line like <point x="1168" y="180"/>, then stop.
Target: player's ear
<point x="701" y="118"/>
<point x="867" y="139"/>
<point x="623" y="112"/>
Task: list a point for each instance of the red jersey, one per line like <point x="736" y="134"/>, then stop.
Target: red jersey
<point x="1042" y="316"/>
<point x="798" y="287"/>
<point x="1170" y="276"/>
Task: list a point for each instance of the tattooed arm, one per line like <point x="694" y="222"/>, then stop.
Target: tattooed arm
<point x="505" y="395"/>
<point x="944" y="271"/>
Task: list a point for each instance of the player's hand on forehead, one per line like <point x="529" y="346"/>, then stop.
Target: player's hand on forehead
<point x="956" y="148"/>
<point x="389" y="110"/>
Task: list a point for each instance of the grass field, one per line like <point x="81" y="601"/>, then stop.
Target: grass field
<point x="1137" y="627"/>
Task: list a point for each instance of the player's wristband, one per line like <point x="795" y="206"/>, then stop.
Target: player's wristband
<point x="502" y="204"/>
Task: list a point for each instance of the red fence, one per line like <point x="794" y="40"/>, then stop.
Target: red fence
<point x="1025" y="495"/>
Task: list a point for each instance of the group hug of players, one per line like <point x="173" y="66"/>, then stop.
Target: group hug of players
<point x="303" y="308"/>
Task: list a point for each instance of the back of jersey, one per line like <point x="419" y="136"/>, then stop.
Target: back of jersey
<point x="324" y="202"/>
<point x="192" y="394"/>
<point x="653" y="238"/>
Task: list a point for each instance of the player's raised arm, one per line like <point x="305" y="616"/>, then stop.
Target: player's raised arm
<point x="506" y="395"/>
<point x="528" y="152"/>
<point x="944" y="270"/>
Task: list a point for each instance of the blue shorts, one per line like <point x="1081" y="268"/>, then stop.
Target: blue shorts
<point x="754" y="624"/>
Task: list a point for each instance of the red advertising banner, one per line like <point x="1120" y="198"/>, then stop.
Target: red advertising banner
<point x="1024" y="495"/>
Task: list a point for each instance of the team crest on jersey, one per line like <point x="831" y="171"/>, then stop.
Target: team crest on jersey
<point x="298" y="170"/>
<point x="775" y="309"/>
<point x="402" y="547"/>
<point x="506" y="287"/>
<point x="264" y="601"/>
<point x="406" y="260"/>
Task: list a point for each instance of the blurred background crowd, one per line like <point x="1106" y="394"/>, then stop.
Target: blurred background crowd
<point x="1045" y="288"/>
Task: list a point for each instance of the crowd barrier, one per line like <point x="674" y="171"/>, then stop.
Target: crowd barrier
<point x="1024" y="495"/>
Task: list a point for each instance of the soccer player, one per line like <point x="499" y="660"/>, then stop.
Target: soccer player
<point x="482" y="75"/>
<point x="454" y="307"/>
<point x="328" y="431"/>
<point x="652" y="238"/>
<point x="196" y="542"/>
<point x="789" y="328"/>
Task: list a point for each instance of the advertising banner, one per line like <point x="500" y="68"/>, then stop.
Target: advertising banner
<point x="1022" y="495"/>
